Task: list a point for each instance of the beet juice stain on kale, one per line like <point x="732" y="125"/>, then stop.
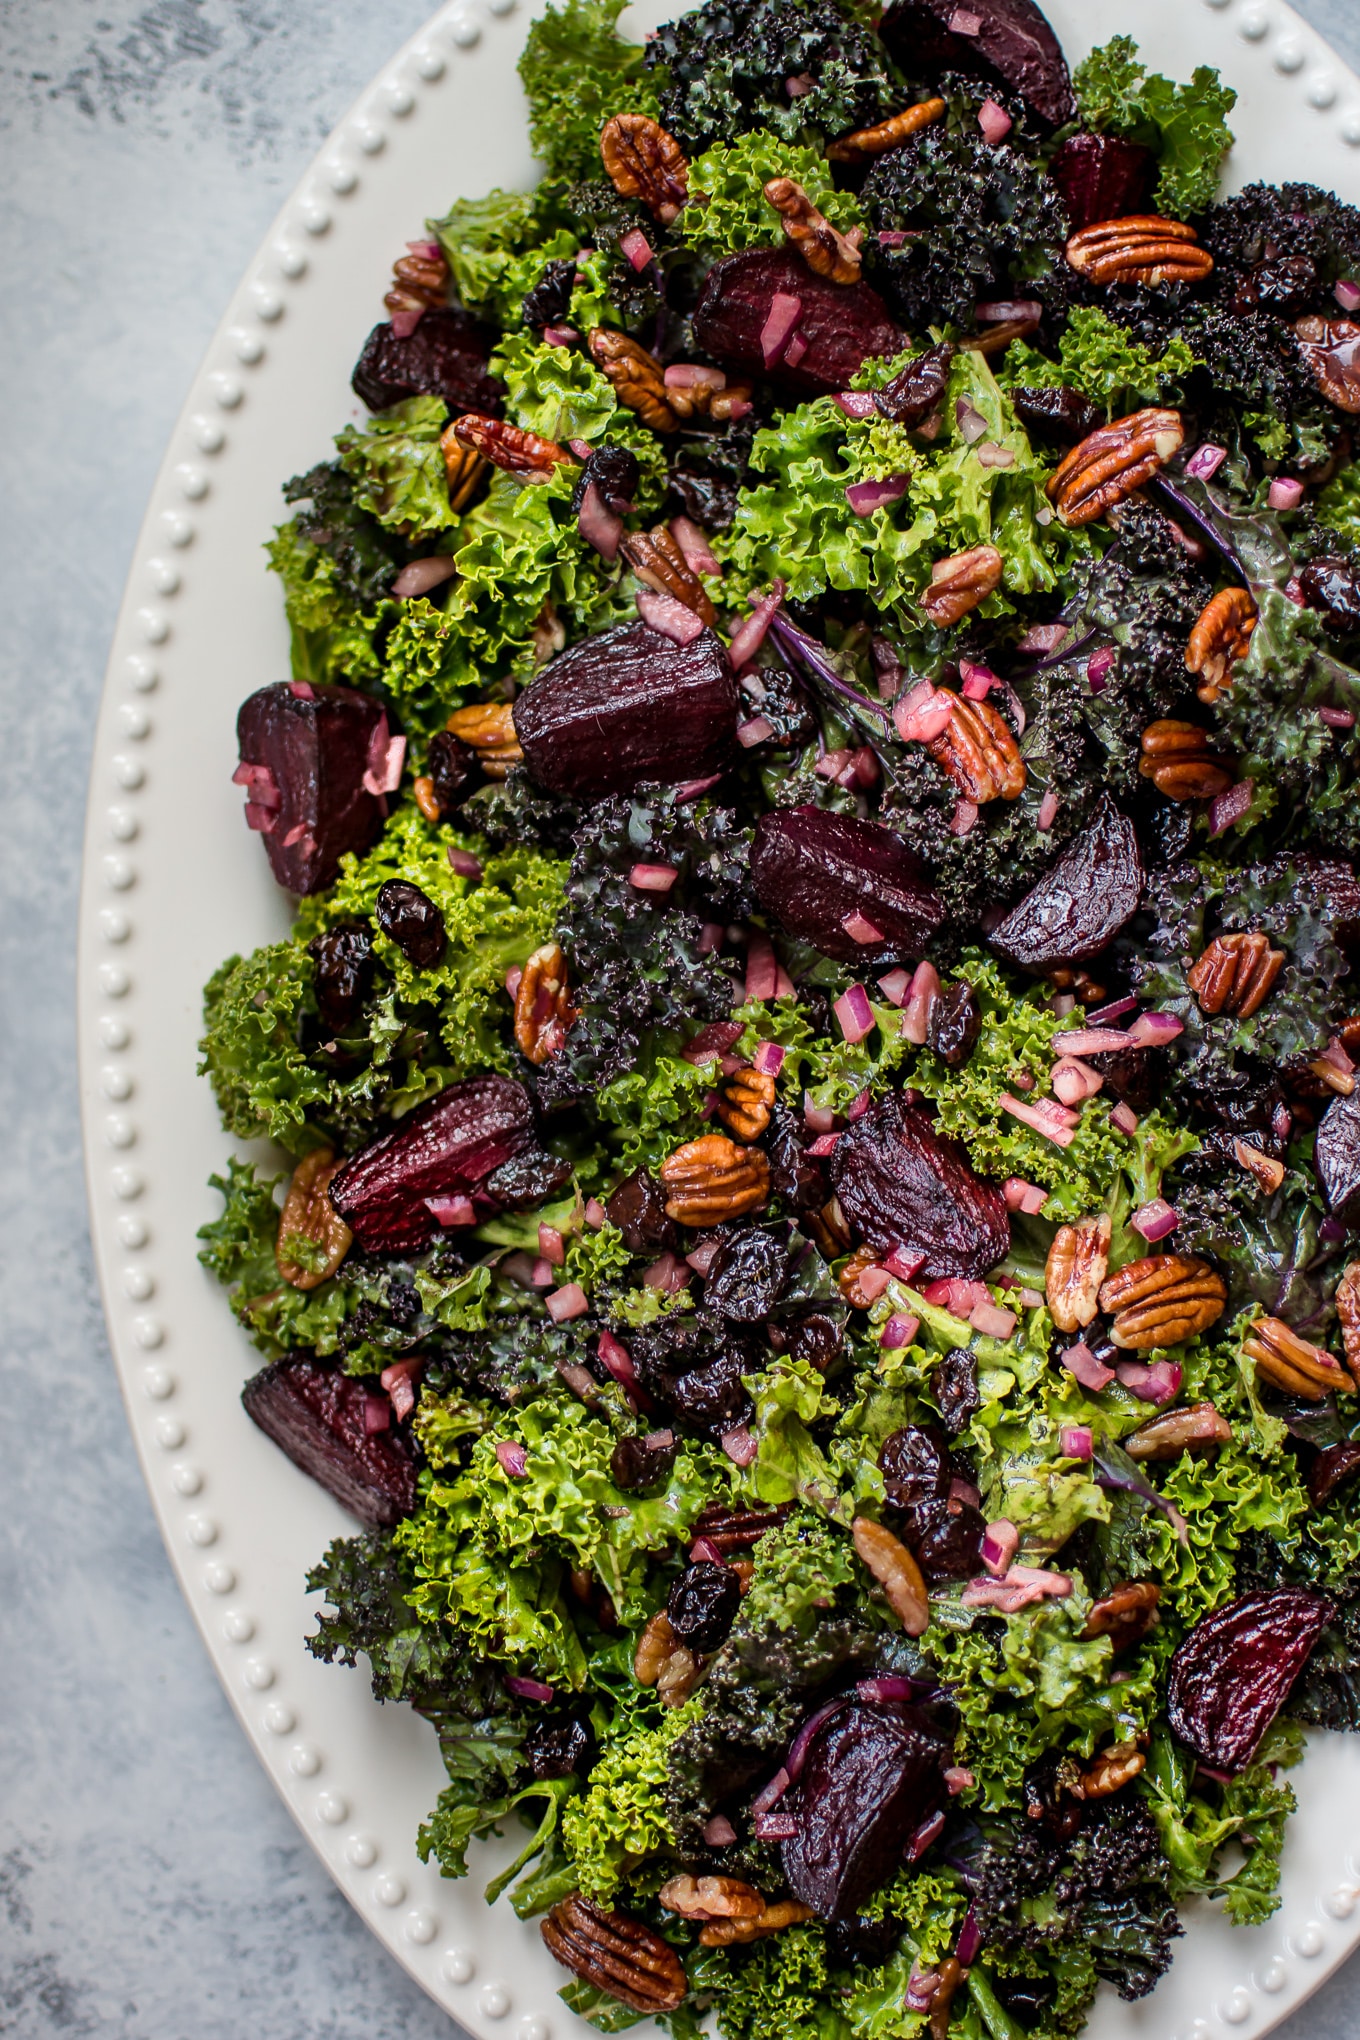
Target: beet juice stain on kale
<point x="815" y="1066"/>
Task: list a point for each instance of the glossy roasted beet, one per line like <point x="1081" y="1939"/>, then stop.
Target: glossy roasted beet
<point x="916" y="1466"/>
<point x="412" y="920"/>
<point x="817" y="1337"/>
<point x="1059" y="413"/>
<point x="452" y="766"/>
<point x="446" y="1148"/>
<point x="1234" y="1670"/>
<point x="548" y="302"/>
<point x="614" y="472"/>
<point x="954" y="1385"/>
<point x="1102" y="178"/>
<point x="315" y="747"/>
<point x="444" y="357"/>
<point x="1332" y="1468"/>
<point x="626" y="706"/>
<point x="954" y="1024"/>
<point x="746" y="1276"/>
<point x="528" y="1180"/>
<point x="557" y="1745"/>
<point x="947" y="1541"/>
<point x="634" y="1464"/>
<point x="703" y="1604"/>
<point x="815" y="871"/>
<point x="871" y="1776"/>
<point x="1337" y="1158"/>
<point x="342" y="965"/>
<point x="318" y="1416"/>
<point x="843" y="325"/>
<point x="1333" y="587"/>
<point x="638" y="1209"/>
<point x="915" y="390"/>
<point x="1012" y="41"/>
<point x="901" y="1185"/>
<point x="1082" y="902"/>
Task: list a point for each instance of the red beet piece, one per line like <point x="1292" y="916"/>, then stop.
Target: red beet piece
<point x="1082" y="902"/>
<point x="316" y="1415"/>
<point x="446" y="1148"/>
<point x="1337" y="1158"/>
<point x="445" y="357"/>
<point x="901" y="1185"/>
<point x="626" y="706"/>
<point x="312" y="805"/>
<point x="1102" y="178"/>
<point x="814" y="871"/>
<point x="841" y="325"/>
<point x="1234" y="1670"/>
<point x="871" y="1775"/>
<point x="1012" y="42"/>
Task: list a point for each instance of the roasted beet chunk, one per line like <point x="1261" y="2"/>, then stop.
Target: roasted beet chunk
<point x="703" y="1604"/>
<point x="1102" y="178"/>
<point x="319" y="1417"/>
<point x="871" y="1776"/>
<point x="1082" y="902"/>
<point x="1232" y="1674"/>
<point x="900" y="1185"/>
<point x="444" y="357"/>
<point x="1337" y="1156"/>
<point x="842" y="326"/>
<point x="626" y="706"/>
<point x="1011" y="41"/>
<point x="850" y="888"/>
<point x="446" y="1148"/>
<point x="305" y="752"/>
<point x="342" y="963"/>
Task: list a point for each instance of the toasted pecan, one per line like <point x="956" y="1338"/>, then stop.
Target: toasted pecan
<point x="1176" y="757"/>
<point x="642" y="160"/>
<point x="1235" y="974"/>
<point x="712" y="1179"/>
<point x="616" y="1953"/>
<point x="1162" y="1300"/>
<point x="1078" y="1262"/>
<point x="310" y="1224"/>
<point x="1220" y="637"/>
<point x="1144" y="248"/>
<point x="1110" y="463"/>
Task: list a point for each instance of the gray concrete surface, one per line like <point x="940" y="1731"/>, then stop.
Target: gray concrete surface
<point x="151" y="1887"/>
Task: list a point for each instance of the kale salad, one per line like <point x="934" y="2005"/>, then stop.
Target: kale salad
<point x="817" y="1053"/>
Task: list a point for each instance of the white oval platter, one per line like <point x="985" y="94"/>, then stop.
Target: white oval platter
<point x="173" y="883"/>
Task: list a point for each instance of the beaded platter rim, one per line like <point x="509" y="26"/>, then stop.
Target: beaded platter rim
<point x="349" y="1773"/>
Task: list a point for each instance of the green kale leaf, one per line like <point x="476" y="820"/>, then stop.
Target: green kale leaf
<point x="397" y="467"/>
<point x="728" y="209"/>
<point x="578" y="72"/>
<point x="1186" y="125"/>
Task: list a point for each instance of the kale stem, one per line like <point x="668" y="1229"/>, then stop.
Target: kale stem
<point x="813" y="658"/>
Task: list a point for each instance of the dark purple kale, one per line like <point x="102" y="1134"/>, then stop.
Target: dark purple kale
<point x="445" y="356"/>
<point x="366" y="558"/>
<point x="708" y="467"/>
<point x="548" y="302"/>
<point x="729" y="63"/>
<point x="1265" y="226"/>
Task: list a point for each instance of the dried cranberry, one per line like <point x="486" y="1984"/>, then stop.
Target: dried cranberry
<point x="558" y="1745"/>
<point x="817" y="1337"/>
<point x="746" y="1276"/>
<point x="1331" y="1469"/>
<point x="954" y="1024"/>
<point x="342" y="961"/>
<point x="1005" y="39"/>
<point x="916" y="1466"/>
<point x="817" y="871"/>
<point x="452" y="766"/>
<point x="445" y="356"/>
<point x="703" y="1604"/>
<point x="1082" y="902"/>
<point x="954" y="1386"/>
<point x="842" y="326"/>
<point x="634" y="1464"/>
<point x="315" y="750"/>
<point x="1101" y="178"/>
<point x="615" y="474"/>
<point x="412" y="920"/>
<point x="714" y="1399"/>
<point x="1135" y="1075"/>
<point x="1060" y="413"/>
<point x="548" y="303"/>
<point x="1234" y="1670"/>
<point x="638" y="1209"/>
<point x="1333" y="587"/>
<point x="871" y="1776"/>
<point x="948" y="1540"/>
<point x="528" y="1180"/>
<point x="915" y="390"/>
<point x="695" y="1365"/>
<point x="901" y="1185"/>
<point x="318" y="1416"/>
<point x="447" y="1147"/>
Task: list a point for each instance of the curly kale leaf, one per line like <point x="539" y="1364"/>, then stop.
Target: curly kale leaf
<point x="1098" y="358"/>
<point x="728" y="62"/>
<point x="365" y="1582"/>
<point x="1300" y="221"/>
<point x="332" y="640"/>
<point x="365" y="556"/>
<point x="1196" y="1820"/>
<point x="578" y="72"/>
<point x="1185" y="125"/>
<point x="1267" y="1246"/>
<point x="728" y="209"/>
<point x="396" y="465"/>
<point x="496" y="246"/>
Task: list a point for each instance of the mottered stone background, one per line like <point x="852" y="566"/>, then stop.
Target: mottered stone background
<point x="151" y="1885"/>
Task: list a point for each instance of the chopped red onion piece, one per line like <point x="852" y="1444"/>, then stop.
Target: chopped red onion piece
<point x="719" y="1832"/>
<point x="899" y="1331"/>
<point x="991" y="1320"/>
<point x="560" y="336"/>
<point x="450" y="1211"/>
<point x="856" y="403"/>
<point x="1116" y="1010"/>
<point x="762" y="968"/>
<point x="774" y="1827"/>
<point x="1125" y="1118"/>
<point x="922" y="1985"/>
<point x="970" y="1933"/>
<point x="1206" y="460"/>
<point x="264" y="820"/>
<point x="1083" y="1365"/>
<point x="710" y="937"/>
<point x="866" y="497"/>
<point x="872" y="1281"/>
<point x="377" y="1415"/>
<point x="817" y="1118"/>
<point x="958" y="1778"/>
<point x="1044" y="637"/>
<point x="793" y="1762"/>
<point x="799" y="87"/>
<point x="635" y="246"/>
<point x="906" y="1267"/>
<point x="1015" y="1190"/>
<point x="1154" y="1030"/>
<point x="691" y="375"/>
<point x="795" y="351"/>
<point x="1047" y="1117"/>
<point x="400" y="1381"/>
<point x="1284" y="493"/>
<point x="1072" y="1082"/>
<point x="527" y="1689"/>
<point x="1337" y="718"/>
<point x="750" y="636"/>
<point x="824" y="1144"/>
<point x="595" y="1214"/>
<point x="964" y="815"/>
<point x="768" y="1059"/>
<point x="1048" y="810"/>
<point x="303" y="689"/>
<point x="895" y="986"/>
<point x="854" y="1013"/>
<point x="1000" y="1542"/>
<point x="754" y="732"/>
<point x="551" y="1245"/>
<point x="668" y="1273"/>
<point x="990" y="455"/>
<point x="977" y="680"/>
<point x="616" y="1360"/>
<point x="923" y="1837"/>
<point x="784" y="314"/>
<point x="1099" y="667"/>
<point x="384" y="772"/>
<point x="740" y="1445"/>
<point x="1347" y="294"/>
<point x="693" y="543"/>
<point x="663" y="613"/>
<point x="704" y="1552"/>
<point x="832" y="764"/>
<point x="920" y="1004"/>
<point x="465" y="865"/>
<point x="422" y="575"/>
<point x="570" y="1301"/>
<point x="859" y="929"/>
<point x="598" y="524"/>
<point x="658" y="878"/>
<point x="893" y="237"/>
<point x="970" y="421"/>
<point x="858" y="1106"/>
<point x="1230" y="807"/>
<point x="512" y="1456"/>
<point x="1000" y="311"/>
<point x="923" y="713"/>
<point x="771" y="1793"/>
<point x="1155" y="1219"/>
<point x="512" y="979"/>
<point x="700" y="1258"/>
<point x="1074" y="1441"/>
<point x="1159" y="1383"/>
<point x="957" y="1294"/>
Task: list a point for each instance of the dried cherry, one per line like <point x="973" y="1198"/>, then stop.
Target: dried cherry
<point x="558" y="1745"/>
<point x="816" y="1336"/>
<point x="1337" y="1159"/>
<point x="901" y="1185"/>
<point x="703" y="1604"/>
<point x="954" y="1024"/>
<point x="1058" y="413"/>
<point x="947" y="1540"/>
<point x="410" y="918"/>
<point x="452" y="767"/>
<point x="954" y="1386"/>
<point x="636" y="1463"/>
<point x="1333" y="587"/>
<point x="1082" y="902"/>
<point x="342" y="961"/>
<point x="615" y="473"/>
<point x="915" y="390"/>
<point x="1332" y="1468"/>
<point x="795" y="1176"/>
<point x="745" y="1276"/>
<point x="528" y="1180"/>
<point x="916" y="1465"/>
<point x="817" y="871"/>
<point x="445" y="356"/>
<point x="1234" y="1670"/>
<point x="638" y="1209"/>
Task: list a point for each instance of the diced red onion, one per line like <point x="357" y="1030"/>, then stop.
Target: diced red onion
<point x="977" y="680"/>
<point x="923" y="713"/>
<point x="1154" y="1030"/>
<point x="422" y="575"/>
<point x="1124" y="1117"/>
<point x="991" y="1320"/>
<point x="795" y="351"/>
<point x="1044" y="637"/>
<point x="970" y="1933"/>
<point x="990" y="455"/>
<point x="570" y="1301"/>
<point x="860" y="929"/>
<point x="1337" y="718"/>
<point x="264" y="820"/>
<point x="635" y="246"/>
<point x="893" y="237"/>
<point x="384" y="772"/>
<point x="405" y="319"/>
<point x="1074" y="1441"/>
<point x="450" y="1211"/>
<point x="377" y="1415"/>
<point x="774" y="1827"/>
<point x="824" y="1144"/>
<point x="832" y="764"/>
<point x="817" y="1118"/>
<point x="856" y="403"/>
<point x="1099" y="667"/>
<point x="754" y="732"/>
<point x="551" y="1245"/>
<point x="858" y="1106"/>
<point x="922" y="1985"/>
<point x="964" y="815"/>
<point x="465" y="865"/>
<point x="970" y="421"/>
<point x="658" y="878"/>
<point x="771" y="1793"/>
<point x="663" y="613"/>
<point x="957" y="1294"/>
<point x="797" y="1756"/>
<point x="873" y="1281"/>
<point x="598" y="524"/>
<point x="692" y="375"/>
<point x="1083" y="1365"/>
<point x="1230" y="807"/>
<point x="543" y="1274"/>
<point x="1000" y="311"/>
<point x="617" y="1360"/>
<point x="560" y="336"/>
<point x="799" y="87"/>
<point x="719" y="1832"/>
<point x="854" y="1013"/>
<point x="512" y="1456"/>
<point x="299" y="833"/>
<point x="1072" y="1083"/>
<point x="762" y="969"/>
<point x="958" y="1778"/>
<point x="1336" y="1056"/>
<point x="768" y="1059"/>
<point x="921" y="1840"/>
<point x="906" y="1267"/>
<point x="866" y="497"/>
<point x="668" y="1273"/>
<point x="260" y="779"/>
<point x="1000" y="1542"/>
<point x="400" y="1380"/>
<point x="711" y="1041"/>
<point x="964" y="1491"/>
<point x="750" y="636"/>
<point x="994" y="121"/>
<point x="920" y="1004"/>
<point x="740" y="1445"/>
<point x="512" y="979"/>
<point x="738" y="408"/>
<point x="895" y="986"/>
<point x="1116" y="1010"/>
<point x="899" y="1331"/>
<point x="1347" y="294"/>
<point x="700" y="1258"/>
<point x="429" y="251"/>
<point x="1016" y="1194"/>
<point x="527" y="1689"/>
<point x="1284" y="493"/>
<point x="704" y="1551"/>
<point x="693" y="543"/>
<point x="1046" y="1117"/>
<point x="595" y="1214"/>
<point x="1206" y="460"/>
<point x="1155" y="1219"/>
<point x="1158" y="1383"/>
<point x="582" y="448"/>
<point x="783" y="315"/>
<point x="302" y="689"/>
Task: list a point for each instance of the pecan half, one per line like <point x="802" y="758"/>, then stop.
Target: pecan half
<point x="896" y="1571"/>
<point x="508" y="446"/>
<point x="1348" y="1313"/>
<point x="638" y="379"/>
<point x="709" y="395"/>
<point x="848" y="1280"/>
<point x="1113" y="1768"/>
<point x="977" y="748"/>
<point x="488" y="728"/>
<point x="959" y="583"/>
<point x="1221" y="636"/>
<point x="1144" y="248"/>
<point x="826" y="252"/>
<point x="657" y="1644"/>
<point x="1162" y="1300"/>
<point x="1331" y="354"/>
<point x="1125" y="1615"/>
<point x="679" y="1676"/>
<point x="1177" y="759"/>
<point x="463" y="465"/>
<point x="310" y="1224"/>
<point x="420" y="281"/>
<point x="1293" y="1364"/>
<point x="745" y="1102"/>
<point x="1235" y="973"/>
<point x="1078" y="1262"/>
<point x="712" y="1898"/>
<point x="543" y="1009"/>
<point x="710" y="1179"/>
<point x="738" y="1529"/>
<point x="642" y="161"/>
<point x="1267" y="1171"/>
<point x="996" y="339"/>
<point x="787" y="1912"/>
<point x="948" y="1979"/>
<point x="1109" y="464"/>
<point x="887" y="134"/>
<point x="658" y="562"/>
<point x="617" y="1954"/>
<point x="1197" y="1428"/>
